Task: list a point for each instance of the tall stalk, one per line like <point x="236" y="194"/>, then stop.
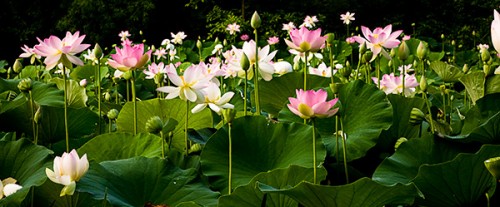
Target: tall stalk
<point x="33" y="125"/>
<point x="66" y="108"/>
<point x="230" y="159"/>
<point x="314" y="151"/>
<point x="256" y="74"/>
<point x="186" y="128"/>
<point x="98" y="81"/>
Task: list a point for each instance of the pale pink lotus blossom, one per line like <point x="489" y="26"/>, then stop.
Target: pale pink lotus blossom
<point x="124" y="35"/>
<point x="160" y="53"/>
<point x="350" y="40"/>
<point x="406" y="37"/>
<point x="68" y="169"/>
<point x="29" y="53"/>
<point x="301" y="56"/>
<point x="288" y="27"/>
<point x="347" y="17"/>
<point x="83" y="83"/>
<point x="305" y="40"/>
<point x="392" y="84"/>
<point x="155" y="69"/>
<point x="91" y="56"/>
<point x="130" y="57"/>
<point x="232" y="66"/>
<point x="495" y="31"/>
<point x="214" y="100"/>
<point x="233" y="28"/>
<point x="177" y="38"/>
<point x="273" y="40"/>
<point x="189" y="85"/>
<point x="322" y="70"/>
<point x="56" y="50"/>
<point x="8" y="187"/>
<point x="309" y="22"/>
<point x="311" y="104"/>
<point x="244" y="37"/>
<point x="282" y="67"/>
<point x="482" y="47"/>
<point x="263" y="57"/>
<point x="379" y="39"/>
<point x="217" y="49"/>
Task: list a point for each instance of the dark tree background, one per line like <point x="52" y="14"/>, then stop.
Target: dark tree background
<point x="22" y="21"/>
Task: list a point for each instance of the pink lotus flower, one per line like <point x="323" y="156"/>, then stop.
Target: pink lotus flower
<point x="56" y="50"/>
<point x="304" y="40"/>
<point x="68" y="169"/>
<point x="288" y="27"/>
<point x="129" y="57"/>
<point x="310" y="104"/>
<point x="233" y="28"/>
<point x="495" y="31"/>
<point x="244" y="37"/>
<point x="347" y="17"/>
<point x="379" y="39"/>
<point x="273" y="40"/>
<point x="155" y="69"/>
<point x="392" y="84"/>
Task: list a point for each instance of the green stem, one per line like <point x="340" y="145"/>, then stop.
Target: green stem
<point x="132" y="83"/>
<point x="314" y="151"/>
<point x="305" y="70"/>
<point x="230" y="159"/>
<point x="162" y="145"/>
<point x="256" y="74"/>
<point x="444" y="103"/>
<point x="245" y="93"/>
<point x="66" y="108"/>
<point x="117" y="100"/>
<point x="110" y="125"/>
<point x="32" y="106"/>
<point x="128" y="91"/>
<point x="344" y="146"/>
<point x="378" y="72"/>
<point x="427" y="102"/>
<point x="99" y="94"/>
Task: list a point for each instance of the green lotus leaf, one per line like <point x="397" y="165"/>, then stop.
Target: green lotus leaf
<point x="258" y="145"/>
<point x="474" y="84"/>
<point x="249" y="195"/>
<point x="140" y="180"/>
<point x="88" y="72"/>
<point x="462" y="181"/>
<point x="493" y="84"/>
<point x="175" y="109"/>
<point x="24" y="162"/>
<point x="447" y="72"/>
<point x="274" y="94"/>
<point x="77" y="96"/>
<point x="363" y="193"/>
<point x="121" y="145"/>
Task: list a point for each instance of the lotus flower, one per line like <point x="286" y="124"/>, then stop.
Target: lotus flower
<point x="495" y="31"/>
<point x="155" y="69"/>
<point x="56" y="50"/>
<point x="379" y="39"/>
<point x="214" y="100"/>
<point x="310" y="104"/>
<point x="304" y="40"/>
<point x="233" y="28"/>
<point x="394" y="84"/>
<point x="129" y="57"/>
<point x="8" y="187"/>
<point x="266" y="68"/>
<point x="68" y="169"/>
<point x="189" y="85"/>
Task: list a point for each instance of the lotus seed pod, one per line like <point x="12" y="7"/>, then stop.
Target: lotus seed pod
<point x="493" y="166"/>
<point x="25" y="85"/>
<point x="416" y="116"/>
<point x="399" y="142"/>
<point x="256" y="21"/>
<point x="485" y="55"/>
<point x="154" y="125"/>
<point x="113" y="114"/>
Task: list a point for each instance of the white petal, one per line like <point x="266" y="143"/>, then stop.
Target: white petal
<point x="10" y="189"/>
<point x="198" y="108"/>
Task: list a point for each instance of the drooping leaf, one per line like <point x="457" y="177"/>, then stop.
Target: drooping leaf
<point x="492" y="84"/>
<point x="363" y="193"/>
<point x="175" y="109"/>
<point x="139" y="180"/>
<point x="24" y="162"/>
<point x="474" y="84"/>
<point x="121" y="145"/>
<point x="447" y="72"/>
<point x="258" y="145"/>
<point x="249" y="195"/>
<point x="77" y="96"/>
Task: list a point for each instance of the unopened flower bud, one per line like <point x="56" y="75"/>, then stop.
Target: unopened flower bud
<point x="107" y="96"/>
<point x="25" y="85"/>
<point x="159" y="77"/>
<point x="423" y="83"/>
<point x="442" y="36"/>
<point x="493" y="166"/>
<point x="83" y="83"/>
<point x="465" y="69"/>
<point x="367" y="57"/>
<point x="154" y="125"/>
<point x="416" y="116"/>
<point x="113" y="114"/>
<point x="362" y="48"/>
<point x="38" y="115"/>
<point x="229" y="115"/>
<point x="422" y="50"/>
<point x="127" y="75"/>
<point x="244" y="62"/>
<point x="195" y="148"/>
<point x="487" y="70"/>
<point x="18" y="66"/>
<point x="330" y="37"/>
<point x="256" y="21"/>
<point x="392" y="53"/>
<point x="485" y="55"/>
<point x="98" y="51"/>
<point x="403" y="51"/>
<point x="399" y="142"/>
<point x="199" y="44"/>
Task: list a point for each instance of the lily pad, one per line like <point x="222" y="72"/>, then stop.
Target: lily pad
<point x="448" y="73"/>
<point x="77" y="96"/>
<point x="474" y="84"/>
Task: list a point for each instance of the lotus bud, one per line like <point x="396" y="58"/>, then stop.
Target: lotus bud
<point x="83" y="83"/>
<point x="159" y="77"/>
<point x="422" y="50"/>
<point x="18" y="66"/>
<point x="442" y="88"/>
<point x="416" y="116"/>
<point x="25" y="85"/>
<point x="493" y="166"/>
<point x="244" y="62"/>
<point x="256" y="21"/>
<point x="487" y="70"/>
<point x="453" y="42"/>
<point x="229" y="115"/>
<point x="98" y="51"/>
<point x="38" y="115"/>
<point x="485" y="55"/>
<point x="199" y="44"/>
<point x="107" y="96"/>
<point x="154" y="125"/>
<point x="392" y="53"/>
<point x="224" y="42"/>
<point x="330" y="38"/>
<point x="367" y="57"/>
<point x="399" y="142"/>
<point x="216" y="41"/>
<point x="362" y="48"/>
<point x="113" y="114"/>
<point x="423" y="84"/>
<point x="127" y="75"/>
<point x="465" y="69"/>
<point x="442" y="36"/>
<point x="403" y="51"/>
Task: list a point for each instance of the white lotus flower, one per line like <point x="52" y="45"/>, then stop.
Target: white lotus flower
<point x="68" y="169"/>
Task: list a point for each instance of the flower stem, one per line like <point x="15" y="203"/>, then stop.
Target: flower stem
<point x="245" y="93"/>
<point x="256" y="73"/>
<point x="110" y="125"/>
<point x="186" y="129"/>
<point x="132" y="83"/>
<point x="314" y="151"/>
<point x="230" y="159"/>
<point x="305" y="70"/>
<point x="32" y="106"/>
<point x="98" y="81"/>
<point x="66" y="108"/>
<point x="162" y="145"/>
<point x="344" y="146"/>
<point x="427" y="102"/>
<point x="378" y="72"/>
